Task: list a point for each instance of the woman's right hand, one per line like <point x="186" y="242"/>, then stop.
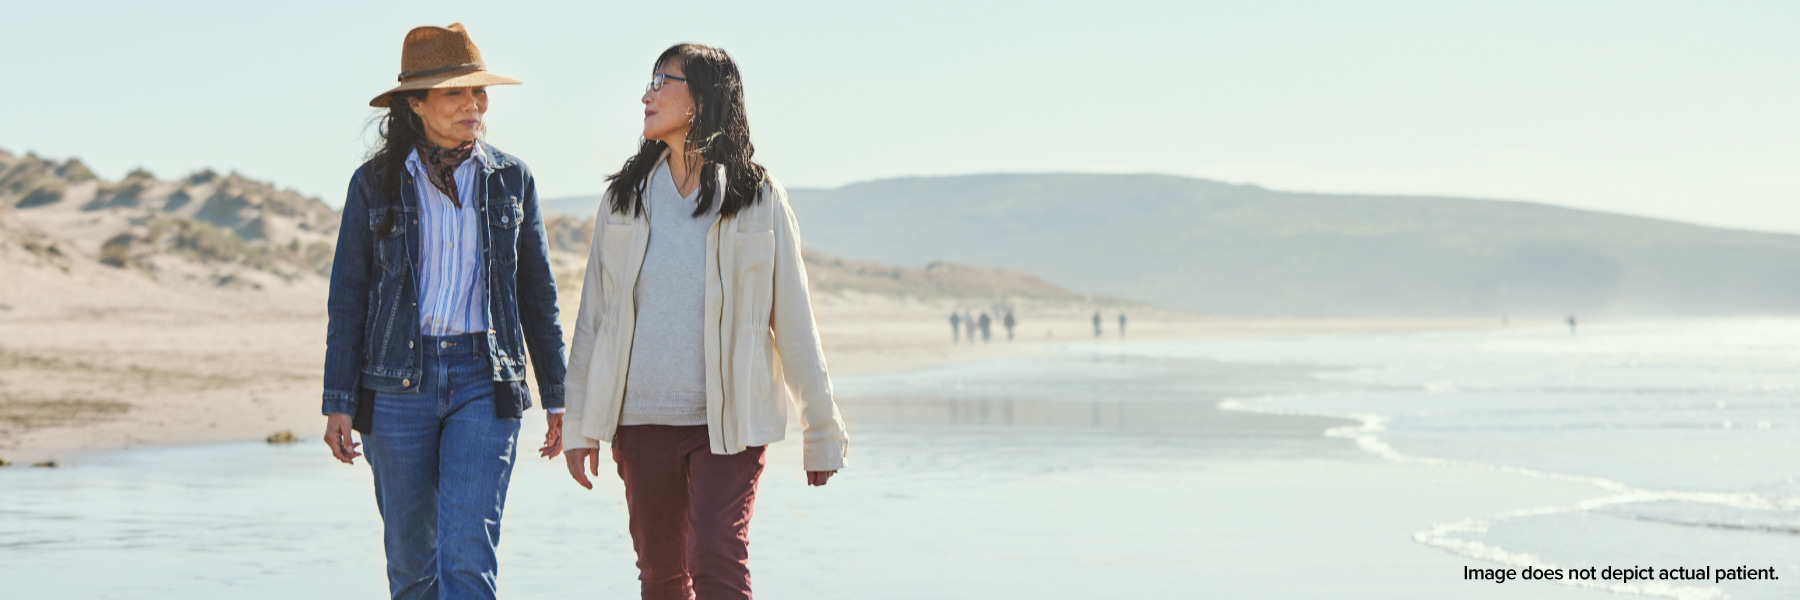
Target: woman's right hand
<point x="337" y="436"/>
<point x="575" y="457"/>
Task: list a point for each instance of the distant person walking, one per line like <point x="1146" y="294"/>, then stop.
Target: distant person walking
<point x="955" y="327"/>
<point x="985" y="327"/>
<point x="1571" y="324"/>
<point x="1009" y="322"/>
<point x="1096" y="323"/>
<point x="1121" y="324"/>
<point x="969" y="326"/>
<point x="694" y="278"/>
<point x="440" y="283"/>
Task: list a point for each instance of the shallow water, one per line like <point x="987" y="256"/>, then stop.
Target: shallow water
<point x="1689" y="432"/>
<point x="1107" y="470"/>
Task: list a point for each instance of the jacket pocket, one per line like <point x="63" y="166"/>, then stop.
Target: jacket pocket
<point x="503" y="216"/>
<point x="390" y="245"/>
<point x="755" y="253"/>
<point x="759" y="395"/>
<point x="615" y="253"/>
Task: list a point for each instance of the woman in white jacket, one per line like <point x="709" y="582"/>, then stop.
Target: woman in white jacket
<point x="695" y="334"/>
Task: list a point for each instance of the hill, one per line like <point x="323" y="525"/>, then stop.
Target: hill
<point x="1244" y="250"/>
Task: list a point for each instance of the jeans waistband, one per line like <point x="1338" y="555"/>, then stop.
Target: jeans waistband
<point x="467" y="343"/>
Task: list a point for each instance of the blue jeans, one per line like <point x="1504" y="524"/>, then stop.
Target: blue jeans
<point x="441" y="461"/>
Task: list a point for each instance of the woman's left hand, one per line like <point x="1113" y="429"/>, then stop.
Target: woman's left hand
<point x="552" y="438"/>
<point x="818" y="477"/>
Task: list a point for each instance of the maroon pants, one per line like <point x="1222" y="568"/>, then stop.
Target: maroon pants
<point x="690" y="511"/>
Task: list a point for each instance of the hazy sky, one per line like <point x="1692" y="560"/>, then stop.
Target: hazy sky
<point x="1688" y="111"/>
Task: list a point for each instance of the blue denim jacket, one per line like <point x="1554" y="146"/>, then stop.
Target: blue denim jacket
<point x="372" y="343"/>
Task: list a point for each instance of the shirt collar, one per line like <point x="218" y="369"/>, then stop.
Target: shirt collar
<point x="480" y="154"/>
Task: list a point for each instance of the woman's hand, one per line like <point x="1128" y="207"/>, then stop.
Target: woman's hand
<point x="818" y="477"/>
<point x="337" y="436"/>
<point x="579" y="455"/>
<point x="552" y="438"/>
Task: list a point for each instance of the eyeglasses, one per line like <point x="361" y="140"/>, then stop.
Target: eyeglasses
<point x="656" y="82"/>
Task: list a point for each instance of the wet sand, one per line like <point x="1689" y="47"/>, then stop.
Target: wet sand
<point x="950" y="498"/>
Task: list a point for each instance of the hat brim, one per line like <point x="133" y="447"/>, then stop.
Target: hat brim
<point x="472" y="79"/>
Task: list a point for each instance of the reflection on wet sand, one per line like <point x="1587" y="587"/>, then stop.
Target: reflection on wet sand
<point x="1089" y="389"/>
<point x="1019" y="412"/>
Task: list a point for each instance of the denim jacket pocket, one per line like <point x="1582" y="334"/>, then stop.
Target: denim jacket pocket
<point x="503" y="218"/>
<point x="390" y="245"/>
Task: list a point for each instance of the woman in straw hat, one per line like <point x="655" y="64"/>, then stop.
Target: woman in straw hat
<point x="440" y="284"/>
<point x="695" y="334"/>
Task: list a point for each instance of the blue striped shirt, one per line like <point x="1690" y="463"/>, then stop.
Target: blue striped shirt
<point x="452" y="294"/>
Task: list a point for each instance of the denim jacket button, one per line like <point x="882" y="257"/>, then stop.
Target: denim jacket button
<point x="406" y="383"/>
<point x="409" y="344"/>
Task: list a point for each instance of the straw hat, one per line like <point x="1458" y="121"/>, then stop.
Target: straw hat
<point x="440" y="57"/>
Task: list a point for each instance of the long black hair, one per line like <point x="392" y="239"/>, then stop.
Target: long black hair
<point x="720" y="133"/>
<point x="401" y="131"/>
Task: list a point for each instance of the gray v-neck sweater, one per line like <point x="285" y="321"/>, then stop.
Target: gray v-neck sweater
<point x="665" y="383"/>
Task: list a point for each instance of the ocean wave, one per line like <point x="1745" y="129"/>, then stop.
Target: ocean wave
<point x="1748" y="511"/>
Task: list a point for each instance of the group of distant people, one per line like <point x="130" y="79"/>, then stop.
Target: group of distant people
<point x="1506" y="321"/>
<point x="1098" y="332"/>
<point x="965" y="324"/>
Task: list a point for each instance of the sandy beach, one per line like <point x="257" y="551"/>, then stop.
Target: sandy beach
<point x="95" y="358"/>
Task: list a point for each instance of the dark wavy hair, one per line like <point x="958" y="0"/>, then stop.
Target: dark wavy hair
<point x="720" y="133"/>
<point x="401" y="131"/>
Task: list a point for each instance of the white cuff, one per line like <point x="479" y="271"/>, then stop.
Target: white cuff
<point x="556" y="411"/>
<point x="825" y="455"/>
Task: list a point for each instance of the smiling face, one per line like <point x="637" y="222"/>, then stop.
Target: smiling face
<point x="451" y="115"/>
<point x="668" y="112"/>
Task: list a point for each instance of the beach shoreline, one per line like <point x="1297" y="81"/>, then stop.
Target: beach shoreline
<point x="95" y="361"/>
<point x="1382" y="465"/>
<point x="1162" y="493"/>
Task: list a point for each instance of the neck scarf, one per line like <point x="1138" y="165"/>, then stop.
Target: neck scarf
<point x="440" y="166"/>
